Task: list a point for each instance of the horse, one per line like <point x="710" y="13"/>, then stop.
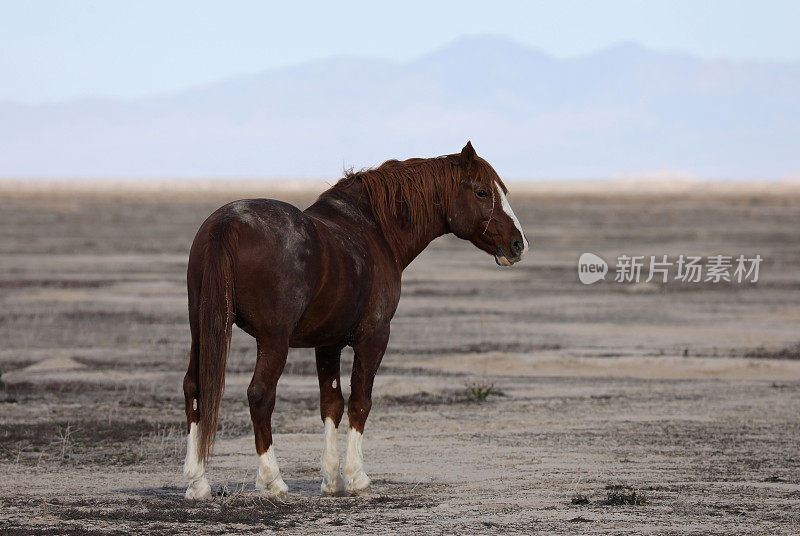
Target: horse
<point x="324" y="278"/>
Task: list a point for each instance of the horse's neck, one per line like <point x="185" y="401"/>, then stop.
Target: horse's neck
<point x="406" y="250"/>
<point x="404" y="246"/>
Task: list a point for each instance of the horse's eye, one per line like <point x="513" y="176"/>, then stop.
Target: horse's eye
<point x="482" y="193"/>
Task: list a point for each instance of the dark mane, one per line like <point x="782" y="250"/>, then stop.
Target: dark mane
<point x="416" y="190"/>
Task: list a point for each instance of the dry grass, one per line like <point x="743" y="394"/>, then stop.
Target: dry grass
<point x="622" y="495"/>
<point x="480" y="391"/>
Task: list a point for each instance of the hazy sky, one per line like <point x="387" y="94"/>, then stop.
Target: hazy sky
<point x="61" y="49"/>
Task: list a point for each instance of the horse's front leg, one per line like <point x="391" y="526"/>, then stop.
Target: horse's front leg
<point x="368" y="354"/>
<point x="331" y="405"/>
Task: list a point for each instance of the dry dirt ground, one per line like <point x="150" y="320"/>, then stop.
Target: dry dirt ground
<point x="615" y="408"/>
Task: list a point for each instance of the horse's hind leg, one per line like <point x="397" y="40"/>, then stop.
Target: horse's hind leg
<point x="367" y="358"/>
<point x="193" y="466"/>
<point x="331" y="405"/>
<point x="261" y="396"/>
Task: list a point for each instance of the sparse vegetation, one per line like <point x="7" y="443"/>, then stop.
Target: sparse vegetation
<point x="90" y="442"/>
<point x="789" y="352"/>
<point x="239" y="495"/>
<point x="6" y="399"/>
<point x="479" y="391"/>
<point x="621" y="495"/>
<point x="579" y="499"/>
<point x="64" y="442"/>
<point x="473" y="392"/>
<point x="237" y="428"/>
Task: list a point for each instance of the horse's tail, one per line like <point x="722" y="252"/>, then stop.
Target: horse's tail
<point x="216" y="320"/>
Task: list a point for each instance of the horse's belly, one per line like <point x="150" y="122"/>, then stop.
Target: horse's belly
<point x="324" y="325"/>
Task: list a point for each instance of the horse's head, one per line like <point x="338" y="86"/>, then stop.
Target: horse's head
<point x="481" y="214"/>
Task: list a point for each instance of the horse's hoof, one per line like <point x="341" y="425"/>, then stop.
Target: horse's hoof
<point x="358" y="483"/>
<point x="337" y="487"/>
<point x="277" y="489"/>
<point x="198" y="490"/>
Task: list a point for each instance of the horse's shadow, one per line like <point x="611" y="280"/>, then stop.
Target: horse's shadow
<point x="305" y="487"/>
<point x="298" y="488"/>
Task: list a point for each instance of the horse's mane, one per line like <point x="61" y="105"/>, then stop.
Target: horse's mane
<point x="416" y="190"/>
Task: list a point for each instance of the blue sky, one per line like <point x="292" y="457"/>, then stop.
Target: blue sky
<point x="63" y="49"/>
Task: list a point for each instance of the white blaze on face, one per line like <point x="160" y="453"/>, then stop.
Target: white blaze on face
<point x="505" y="207"/>
<point x="332" y="481"/>
<point x="193" y="468"/>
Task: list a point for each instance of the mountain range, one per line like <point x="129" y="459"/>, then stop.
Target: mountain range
<point x="623" y="111"/>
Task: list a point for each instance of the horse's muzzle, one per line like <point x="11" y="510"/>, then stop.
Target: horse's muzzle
<point x="504" y="258"/>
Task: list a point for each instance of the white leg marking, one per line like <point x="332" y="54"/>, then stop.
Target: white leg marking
<point x="354" y="476"/>
<point x="269" y="476"/>
<point x="193" y="468"/>
<point x="507" y="209"/>
<point x="332" y="481"/>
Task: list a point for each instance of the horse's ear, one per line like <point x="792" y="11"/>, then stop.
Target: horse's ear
<point x="467" y="153"/>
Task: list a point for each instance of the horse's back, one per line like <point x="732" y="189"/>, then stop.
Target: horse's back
<point x="275" y="261"/>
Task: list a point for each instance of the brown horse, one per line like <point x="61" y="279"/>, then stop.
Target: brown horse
<point x="327" y="277"/>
